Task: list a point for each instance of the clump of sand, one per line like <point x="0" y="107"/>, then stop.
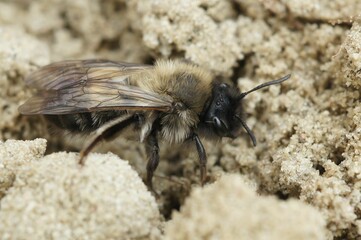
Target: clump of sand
<point x="229" y="209"/>
<point x="51" y="197"/>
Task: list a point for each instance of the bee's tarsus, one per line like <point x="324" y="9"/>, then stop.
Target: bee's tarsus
<point x="82" y="157"/>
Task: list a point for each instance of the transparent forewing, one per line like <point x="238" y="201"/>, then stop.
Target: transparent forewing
<point x="91" y="85"/>
<point x="65" y="74"/>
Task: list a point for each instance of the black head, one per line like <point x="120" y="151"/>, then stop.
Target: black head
<point x="223" y="114"/>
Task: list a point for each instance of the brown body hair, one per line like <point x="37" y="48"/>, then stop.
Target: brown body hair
<point x="188" y="85"/>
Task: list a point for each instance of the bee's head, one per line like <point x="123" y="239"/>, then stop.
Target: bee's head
<point x="224" y="111"/>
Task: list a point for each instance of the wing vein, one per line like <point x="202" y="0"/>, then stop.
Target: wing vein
<point x="90" y="85"/>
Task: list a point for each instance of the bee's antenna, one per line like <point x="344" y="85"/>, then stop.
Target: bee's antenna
<point x="249" y="131"/>
<point x="265" y="85"/>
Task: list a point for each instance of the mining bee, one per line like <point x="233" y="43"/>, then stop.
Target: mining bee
<point x="172" y="100"/>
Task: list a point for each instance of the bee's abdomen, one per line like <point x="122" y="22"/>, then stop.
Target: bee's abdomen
<point x="82" y="122"/>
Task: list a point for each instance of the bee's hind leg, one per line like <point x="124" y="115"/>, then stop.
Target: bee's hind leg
<point x="106" y="132"/>
<point x="152" y="149"/>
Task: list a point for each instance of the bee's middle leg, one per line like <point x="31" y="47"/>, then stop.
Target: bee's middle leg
<point x="106" y="132"/>
<point x="152" y="150"/>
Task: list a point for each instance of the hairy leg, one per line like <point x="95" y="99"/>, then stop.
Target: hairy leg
<point x="152" y="150"/>
<point x="106" y="132"/>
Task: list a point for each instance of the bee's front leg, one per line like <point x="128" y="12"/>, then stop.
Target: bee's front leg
<point x="202" y="158"/>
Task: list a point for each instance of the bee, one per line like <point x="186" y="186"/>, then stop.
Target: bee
<point x="172" y="100"/>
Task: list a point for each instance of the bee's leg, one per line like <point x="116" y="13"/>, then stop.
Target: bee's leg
<point x="107" y="131"/>
<point x="202" y="158"/>
<point x="152" y="149"/>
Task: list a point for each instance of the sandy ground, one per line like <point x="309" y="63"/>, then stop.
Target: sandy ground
<point x="302" y="181"/>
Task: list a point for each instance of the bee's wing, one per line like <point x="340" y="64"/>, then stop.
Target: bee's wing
<point x="90" y="85"/>
<point x="61" y="75"/>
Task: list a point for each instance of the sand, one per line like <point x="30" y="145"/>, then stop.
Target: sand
<point x="307" y="161"/>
